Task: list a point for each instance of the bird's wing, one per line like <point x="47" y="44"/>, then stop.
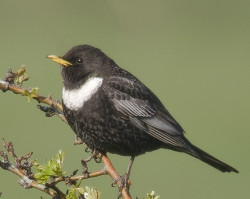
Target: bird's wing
<point x="139" y="105"/>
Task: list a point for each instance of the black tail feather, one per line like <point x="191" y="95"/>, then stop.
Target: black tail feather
<point x="212" y="161"/>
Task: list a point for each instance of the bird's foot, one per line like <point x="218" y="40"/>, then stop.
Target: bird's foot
<point x="122" y="182"/>
<point x="85" y="161"/>
<point x="78" y="141"/>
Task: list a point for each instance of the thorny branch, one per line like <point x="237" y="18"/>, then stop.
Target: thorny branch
<point x="7" y="84"/>
<point x="23" y="170"/>
<point x="22" y="166"/>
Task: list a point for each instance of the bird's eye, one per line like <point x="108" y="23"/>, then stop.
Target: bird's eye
<point x="79" y="60"/>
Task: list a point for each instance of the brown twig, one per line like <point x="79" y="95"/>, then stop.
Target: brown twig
<point x="19" y="170"/>
<point x="113" y="174"/>
<point x="80" y="177"/>
<point x="41" y="99"/>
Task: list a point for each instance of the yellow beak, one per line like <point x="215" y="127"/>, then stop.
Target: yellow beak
<point x="59" y="60"/>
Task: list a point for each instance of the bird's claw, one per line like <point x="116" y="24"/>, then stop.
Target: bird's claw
<point x="97" y="159"/>
<point x="87" y="149"/>
<point x="84" y="162"/>
<point x="124" y="183"/>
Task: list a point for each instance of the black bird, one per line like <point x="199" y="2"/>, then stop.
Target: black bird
<point x="112" y="111"/>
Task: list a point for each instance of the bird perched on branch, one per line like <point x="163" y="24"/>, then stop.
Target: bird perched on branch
<point x="112" y="111"/>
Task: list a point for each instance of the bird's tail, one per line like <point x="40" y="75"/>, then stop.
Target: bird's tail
<point x="212" y="161"/>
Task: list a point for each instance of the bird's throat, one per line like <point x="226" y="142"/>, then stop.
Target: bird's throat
<point x="74" y="99"/>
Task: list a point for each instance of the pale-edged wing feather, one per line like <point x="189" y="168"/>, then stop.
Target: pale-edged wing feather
<point x="143" y="113"/>
<point x="134" y="107"/>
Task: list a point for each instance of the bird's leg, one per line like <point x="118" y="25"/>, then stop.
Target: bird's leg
<point x="124" y="180"/>
<point x="85" y="161"/>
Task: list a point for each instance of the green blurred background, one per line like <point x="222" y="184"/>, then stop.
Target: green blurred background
<point x="194" y="54"/>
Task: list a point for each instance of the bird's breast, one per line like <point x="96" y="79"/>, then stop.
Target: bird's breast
<point x="74" y="99"/>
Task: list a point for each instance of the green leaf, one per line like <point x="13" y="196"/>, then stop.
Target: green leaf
<point x="72" y="193"/>
<point x="30" y="93"/>
<point x="91" y="193"/>
<point x="21" y="75"/>
<point x="88" y="192"/>
<point x="51" y="170"/>
<point x="152" y="195"/>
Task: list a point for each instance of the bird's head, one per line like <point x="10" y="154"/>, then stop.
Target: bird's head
<point x="80" y="63"/>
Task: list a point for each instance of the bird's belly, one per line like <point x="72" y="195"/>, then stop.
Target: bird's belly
<point x="100" y="127"/>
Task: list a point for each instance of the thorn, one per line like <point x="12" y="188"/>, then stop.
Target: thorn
<point x="50" y="96"/>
